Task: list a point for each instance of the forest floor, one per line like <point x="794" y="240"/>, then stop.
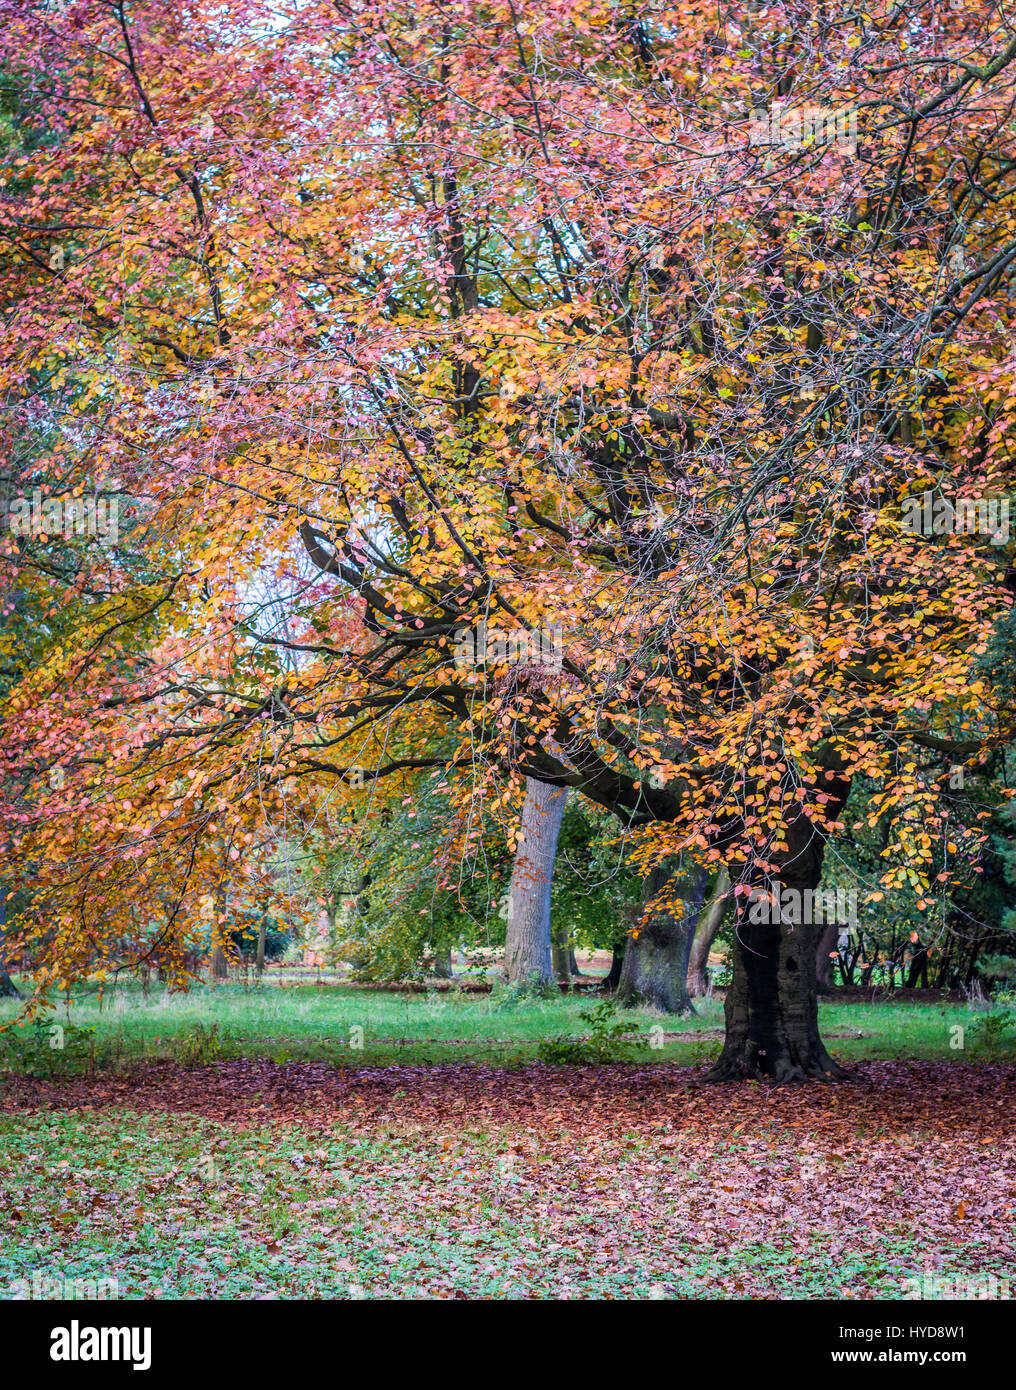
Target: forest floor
<point x="254" y="1179"/>
<point x="264" y="1142"/>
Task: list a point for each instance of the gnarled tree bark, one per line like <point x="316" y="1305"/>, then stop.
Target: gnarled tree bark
<point x="771" y="1006"/>
<point x="655" y="967"/>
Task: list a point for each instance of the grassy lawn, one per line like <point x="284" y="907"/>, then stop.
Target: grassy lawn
<point x="348" y="1026"/>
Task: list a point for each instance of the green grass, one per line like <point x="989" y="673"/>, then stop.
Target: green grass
<point x="312" y="1023"/>
<point x="324" y="1023"/>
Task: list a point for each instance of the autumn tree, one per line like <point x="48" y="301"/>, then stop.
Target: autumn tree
<point x="623" y="340"/>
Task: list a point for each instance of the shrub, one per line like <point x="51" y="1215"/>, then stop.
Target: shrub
<point x="989" y="1031"/>
<point x="197" y="1045"/>
<point x="609" y="1041"/>
<point x="48" y="1049"/>
<point x="504" y="998"/>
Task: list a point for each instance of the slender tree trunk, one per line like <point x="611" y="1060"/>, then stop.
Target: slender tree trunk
<point x="655" y="968"/>
<point x="613" y="976"/>
<point x="827" y="943"/>
<point x="772" y="1004"/>
<point x="527" y="934"/>
<point x="709" y="925"/>
<point x="972" y="966"/>
<point x="220" y="965"/>
<point x="443" y="963"/>
<point x="918" y="967"/>
<point x="573" y="964"/>
<point x="8" y="989"/>
<point x="262" y="934"/>
<point x="560" y="955"/>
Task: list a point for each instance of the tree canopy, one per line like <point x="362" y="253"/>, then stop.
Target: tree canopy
<point x="492" y="391"/>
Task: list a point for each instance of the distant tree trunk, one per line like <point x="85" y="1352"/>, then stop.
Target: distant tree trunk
<point x="443" y="963"/>
<point x="655" y="968"/>
<point x="560" y="955"/>
<point x="613" y="976"/>
<point x="971" y="971"/>
<point x="573" y="964"/>
<point x="827" y="943"/>
<point x="918" y="967"/>
<point x="527" y="933"/>
<point x="262" y="934"/>
<point x="8" y="989"/>
<point x="220" y="965"/>
<point x="709" y="924"/>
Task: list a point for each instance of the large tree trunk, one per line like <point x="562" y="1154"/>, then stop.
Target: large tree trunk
<point x="772" y="1003"/>
<point x="709" y="925"/>
<point x="573" y="964"/>
<point x="443" y="962"/>
<point x="613" y="976"/>
<point x="655" y="968"/>
<point x="527" y="934"/>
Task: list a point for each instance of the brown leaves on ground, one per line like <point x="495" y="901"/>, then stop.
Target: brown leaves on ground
<point x="885" y="1097"/>
<point x="908" y="1167"/>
